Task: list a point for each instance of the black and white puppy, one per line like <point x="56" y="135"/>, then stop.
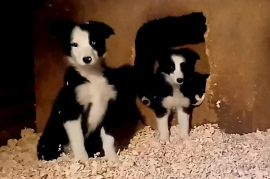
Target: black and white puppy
<point x="193" y="88"/>
<point x="172" y="83"/>
<point x="159" y="34"/>
<point x="85" y="94"/>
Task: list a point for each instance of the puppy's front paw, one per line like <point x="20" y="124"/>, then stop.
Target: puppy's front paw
<point x="113" y="158"/>
<point x="48" y="151"/>
<point x="83" y="156"/>
<point x="164" y="136"/>
<point x="183" y="134"/>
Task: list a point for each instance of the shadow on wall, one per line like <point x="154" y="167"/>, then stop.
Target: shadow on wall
<point x="169" y="32"/>
<point x="17" y="92"/>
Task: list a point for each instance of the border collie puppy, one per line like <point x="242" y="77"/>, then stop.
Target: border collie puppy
<point x="193" y="88"/>
<point x="85" y="94"/>
<point x="159" y="34"/>
<point x="175" y="86"/>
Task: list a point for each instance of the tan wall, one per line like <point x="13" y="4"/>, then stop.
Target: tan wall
<point x="238" y="53"/>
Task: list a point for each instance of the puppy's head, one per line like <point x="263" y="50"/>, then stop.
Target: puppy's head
<point x="194" y="88"/>
<point x="177" y="64"/>
<point x="84" y="43"/>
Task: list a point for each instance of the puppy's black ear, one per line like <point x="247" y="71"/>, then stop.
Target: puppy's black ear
<point x="189" y="54"/>
<point x="100" y="28"/>
<point x="62" y="29"/>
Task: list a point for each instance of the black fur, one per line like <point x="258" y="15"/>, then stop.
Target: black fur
<point x="194" y="85"/>
<point x="167" y="66"/>
<point x="157" y="35"/>
<point x="99" y="33"/>
<point x="194" y="82"/>
<point x="66" y="106"/>
<point x="120" y="112"/>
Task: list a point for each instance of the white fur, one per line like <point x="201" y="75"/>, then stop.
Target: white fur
<point x="177" y="100"/>
<point x="83" y="49"/>
<point x="97" y="93"/>
<point x="177" y="73"/>
<point x="163" y="127"/>
<point x="199" y="100"/>
<point x="183" y="121"/>
<point x="108" y="146"/>
<point x="76" y="139"/>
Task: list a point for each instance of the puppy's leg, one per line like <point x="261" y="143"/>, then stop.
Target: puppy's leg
<point x="183" y="121"/>
<point x="76" y="139"/>
<point x="162" y="117"/>
<point x="96" y="114"/>
<point x="108" y="146"/>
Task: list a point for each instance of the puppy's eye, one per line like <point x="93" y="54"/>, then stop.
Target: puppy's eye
<point x="146" y="101"/>
<point x="183" y="65"/>
<point x="73" y="44"/>
<point x="93" y="42"/>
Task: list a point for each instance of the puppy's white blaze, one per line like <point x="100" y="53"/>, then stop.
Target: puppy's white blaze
<point x="83" y="49"/>
<point x="146" y="99"/>
<point x="183" y="121"/>
<point x="108" y="146"/>
<point x="76" y="139"/>
<point x="199" y="100"/>
<point x="163" y="127"/>
<point x="177" y="72"/>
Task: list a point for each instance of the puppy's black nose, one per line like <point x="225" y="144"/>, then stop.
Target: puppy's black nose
<point x="87" y="60"/>
<point x="180" y="80"/>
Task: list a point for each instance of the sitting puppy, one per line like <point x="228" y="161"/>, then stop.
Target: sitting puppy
<point x="176" y="85"/>
<point x="83" y="100"/>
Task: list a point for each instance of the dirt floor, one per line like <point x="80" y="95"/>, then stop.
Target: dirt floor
<point x="208" y="153"/>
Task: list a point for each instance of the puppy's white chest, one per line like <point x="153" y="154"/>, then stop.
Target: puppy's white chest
<point x="96" y="90"/>
<point x="177" y="100"/>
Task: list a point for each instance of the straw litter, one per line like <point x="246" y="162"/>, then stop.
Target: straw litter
<point x="208" y="153"/>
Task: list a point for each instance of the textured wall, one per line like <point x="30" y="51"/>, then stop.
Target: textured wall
<point x="237" y="47"/>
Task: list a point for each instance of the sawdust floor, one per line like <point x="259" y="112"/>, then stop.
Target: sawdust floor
<point x="208" y="153"/>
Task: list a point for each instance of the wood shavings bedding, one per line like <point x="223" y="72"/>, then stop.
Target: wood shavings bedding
<point x="208" y="153"/>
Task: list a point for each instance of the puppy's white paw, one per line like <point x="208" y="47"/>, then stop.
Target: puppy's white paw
<point x="164" y="137"/>
<point x="83" y="156"/>
<point x="113" y="158"/>
<point x="183" y="134"/>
